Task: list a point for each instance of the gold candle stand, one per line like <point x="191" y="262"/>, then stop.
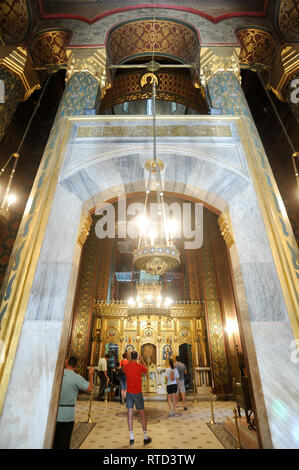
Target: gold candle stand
<point x="237" y="427"/>
<point x="89" y="418"/>
<point x="212" y="410"/>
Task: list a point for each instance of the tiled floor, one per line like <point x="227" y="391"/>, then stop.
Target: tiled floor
<point x="187" y="431"/>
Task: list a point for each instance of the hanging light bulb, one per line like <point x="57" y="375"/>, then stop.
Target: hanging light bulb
<point x="11" y="199"/>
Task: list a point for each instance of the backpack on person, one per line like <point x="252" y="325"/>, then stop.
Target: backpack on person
<point x="121" y="370"/>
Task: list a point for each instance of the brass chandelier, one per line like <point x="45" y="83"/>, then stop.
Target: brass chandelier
<point x="156" y="252"/>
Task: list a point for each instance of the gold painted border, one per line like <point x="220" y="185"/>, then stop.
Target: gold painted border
<point x="277" y="239"/>
<point x="13" y="319"/>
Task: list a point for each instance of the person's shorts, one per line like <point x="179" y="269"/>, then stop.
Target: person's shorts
<point x="182" y="387"/>
<point x="172" y="388"/>
<point x="135" y="398"/>
<point x="123" y="382"/>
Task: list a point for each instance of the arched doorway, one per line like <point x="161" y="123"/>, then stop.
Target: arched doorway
<point x="224" y="176"/>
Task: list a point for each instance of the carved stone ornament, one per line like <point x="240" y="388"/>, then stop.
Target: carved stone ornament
<point x="224" y="59"/>
<point x="224" y="223"/>
<point x="285" y="66"/>
<point x="84" y="229"/>
<point x="92" y="61"/>
<point x="17" y="60"/>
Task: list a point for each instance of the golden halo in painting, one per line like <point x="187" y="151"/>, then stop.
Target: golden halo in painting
<point x="146" y="81"/>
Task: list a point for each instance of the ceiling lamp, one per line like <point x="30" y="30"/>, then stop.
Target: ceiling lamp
<point x="156" y="252"/>
<point x="9" y="198"/>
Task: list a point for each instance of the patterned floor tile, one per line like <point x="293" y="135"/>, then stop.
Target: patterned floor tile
<point x="111" y="432"/>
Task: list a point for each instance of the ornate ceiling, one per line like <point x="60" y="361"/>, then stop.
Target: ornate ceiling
<point x="20" y="19"/>
<point x="46" y="28"/>
<point x="215" y="10"/>
<point x="287" y="19"/>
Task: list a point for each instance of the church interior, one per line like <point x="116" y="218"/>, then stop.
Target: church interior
<point x="107" y="110"/>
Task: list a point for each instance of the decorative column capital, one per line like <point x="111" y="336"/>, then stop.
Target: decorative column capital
<point x="17" y="61"/>
<point x="220" y="59"/>
<point x="224" y="223"/>
<point x="285" y="67"/>
<point x="92" y="61"/>
<point x="84" y="229"/>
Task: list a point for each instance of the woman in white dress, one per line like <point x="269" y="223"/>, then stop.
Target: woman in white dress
<point x="172" y="376"/>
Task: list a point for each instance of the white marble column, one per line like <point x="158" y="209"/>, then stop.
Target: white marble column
<point x="29" y="413"/>
<point x="267" y="333"/>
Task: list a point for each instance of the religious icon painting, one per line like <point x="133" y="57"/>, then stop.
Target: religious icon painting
<point x="167" y="352"/>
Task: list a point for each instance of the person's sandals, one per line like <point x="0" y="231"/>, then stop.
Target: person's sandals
<point x="147" y="441"/>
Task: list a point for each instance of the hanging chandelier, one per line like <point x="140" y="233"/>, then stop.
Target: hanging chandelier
<point x="156" y="252"/>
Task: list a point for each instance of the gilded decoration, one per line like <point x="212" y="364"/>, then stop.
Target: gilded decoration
<point x="48" y="48"/>
<point x="80" y="93"/>
<point x="15" y="20"/>
<point x="168" y="38"/>
<point x="215" y="60"/>
<point x="84" y="229"/>
<point x="88" y="60"/>
<point x="213" y="308"/>
<point x="83" y="307"/>
<point x="226" y="230"/>
<point x="171" y="86"/>
<point x="285" y="67"/>
<point x="14" y="92"/>
<point x="257" y="47"/>
<point x="288" y="19"/>
<point x="104" y="256"/>
<point x="201" y="130"/>
<point x="191" y="263"/>
<point x="17" y="61"/>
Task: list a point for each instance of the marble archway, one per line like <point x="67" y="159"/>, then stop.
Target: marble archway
<point x="97" y="159"/>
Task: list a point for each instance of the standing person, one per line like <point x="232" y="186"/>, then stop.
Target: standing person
<point x="172" y="375"/>
<point x="182" y="369"/>
<point x="122" y="377"/>
<point x="71" y="384"/>
<point x="102" y="371"/>
<point x="134" y="372"/>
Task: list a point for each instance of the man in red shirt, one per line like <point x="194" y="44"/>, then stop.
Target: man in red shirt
<point x="134" y="372"/>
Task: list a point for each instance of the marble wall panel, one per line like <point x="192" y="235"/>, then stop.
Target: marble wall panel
<point x="248" y="228"/>
<point x="44" y="329"/>
<point x="279" y="371"/>
<point x="24" y="419"/>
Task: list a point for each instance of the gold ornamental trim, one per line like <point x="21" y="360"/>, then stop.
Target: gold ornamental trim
<point x="157" y="258"/>
<point x="17" y="61"/>
<point x="257" y="47"/>
<point x="218" y="59"/>
<point x="48" y="48"/>
<point x="167" y="37"/>
<point x="151" y="165"/>
<point x="88" y="60"/>
<point x="170" y="86"/>
<point x="180" y="130"/>
<point x="285" y="66"/>
<point x="226" y="230"/>
<point x="84" y="229"/>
